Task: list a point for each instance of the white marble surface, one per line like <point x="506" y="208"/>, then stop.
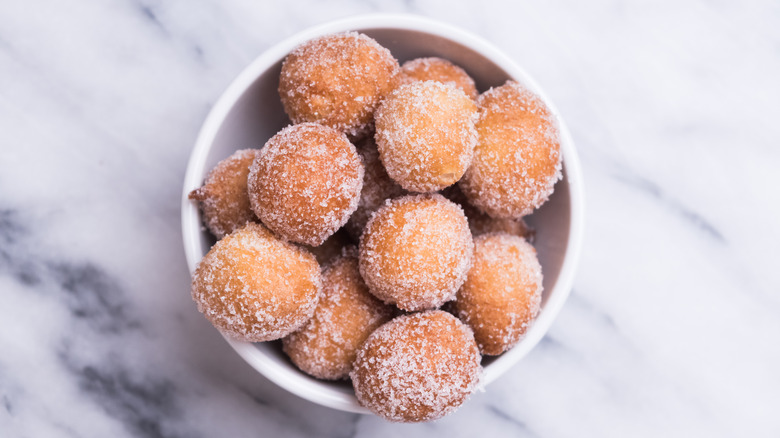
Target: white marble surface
<point x="673" y="327"/>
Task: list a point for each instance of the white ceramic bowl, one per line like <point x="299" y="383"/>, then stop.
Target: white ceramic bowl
<point x="250" y="112"/>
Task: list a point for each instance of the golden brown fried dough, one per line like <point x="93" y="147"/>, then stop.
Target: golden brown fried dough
<point x="415" y="251"/>
<point x="517" y="159"/>
<point x="326" y="346"/>
<point x="254" y="287"/>
<point x="305" y="183"/>
<point x="417" y="367"/>
<point x="223" y="197"/>
<point x="503" y="292"/>
<point x="439" y="70"/>
<point x="426" y="135"/>
<point x="337" y="80"/>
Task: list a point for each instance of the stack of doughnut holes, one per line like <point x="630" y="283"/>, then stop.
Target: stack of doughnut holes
<point x="380" y="236"/>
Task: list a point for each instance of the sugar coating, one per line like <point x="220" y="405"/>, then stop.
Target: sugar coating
<point x="326" y="346"/>
<point x="481" y="223"/>
<point x="377" y="187"/>
<point x="517" y="160"/>
<point x="440" y="70"/>
<point x="223" y="197"/>
<point x="305" y="183"/>
<point x="255" y="287"/>
<point x="484" y="224"/>
<point x="425" y="133"/>
<point x="337" y="80"/>
<point x="417" y="367"/>
<point x="503" y="292"/>
<point x="415" y="251"/>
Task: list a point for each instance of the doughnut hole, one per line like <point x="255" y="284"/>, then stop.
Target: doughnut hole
<point x="223" y="197"/>
<point x="337" y="80"/>
<point x="426" y="135"/>
<point x="503" y="292"/>
<point x="517" y="160"/>
<point x="415" y="251"/>
<point x="417" y="367"/>
<point x="326" y="346"/>
<point x="305" y="183"/>
<point x="254" y="287"/>
<point x="439" y="70"/>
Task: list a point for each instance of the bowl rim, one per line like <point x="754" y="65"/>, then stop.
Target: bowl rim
<point x="192" y="228"/>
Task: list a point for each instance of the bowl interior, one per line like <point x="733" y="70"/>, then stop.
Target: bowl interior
<point x="255" y="114"/>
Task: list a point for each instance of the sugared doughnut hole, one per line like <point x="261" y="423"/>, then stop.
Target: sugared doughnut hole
<point x="254" y="287"/>
<point x="440" y="70"/>
<point x="502" y="293"/>
<point x="337" y="80"/>
<point x="517" y="159"/>
<point x="346" y="315"/>
<point x="306" y="182"/>
<point x="223" y="197"/>
<point x="426" y="135"/>
<point x="417" y="367"/>
<point x="415" y="251"/>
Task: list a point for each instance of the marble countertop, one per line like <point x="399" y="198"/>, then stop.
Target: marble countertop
<point x="673" y="326"/>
